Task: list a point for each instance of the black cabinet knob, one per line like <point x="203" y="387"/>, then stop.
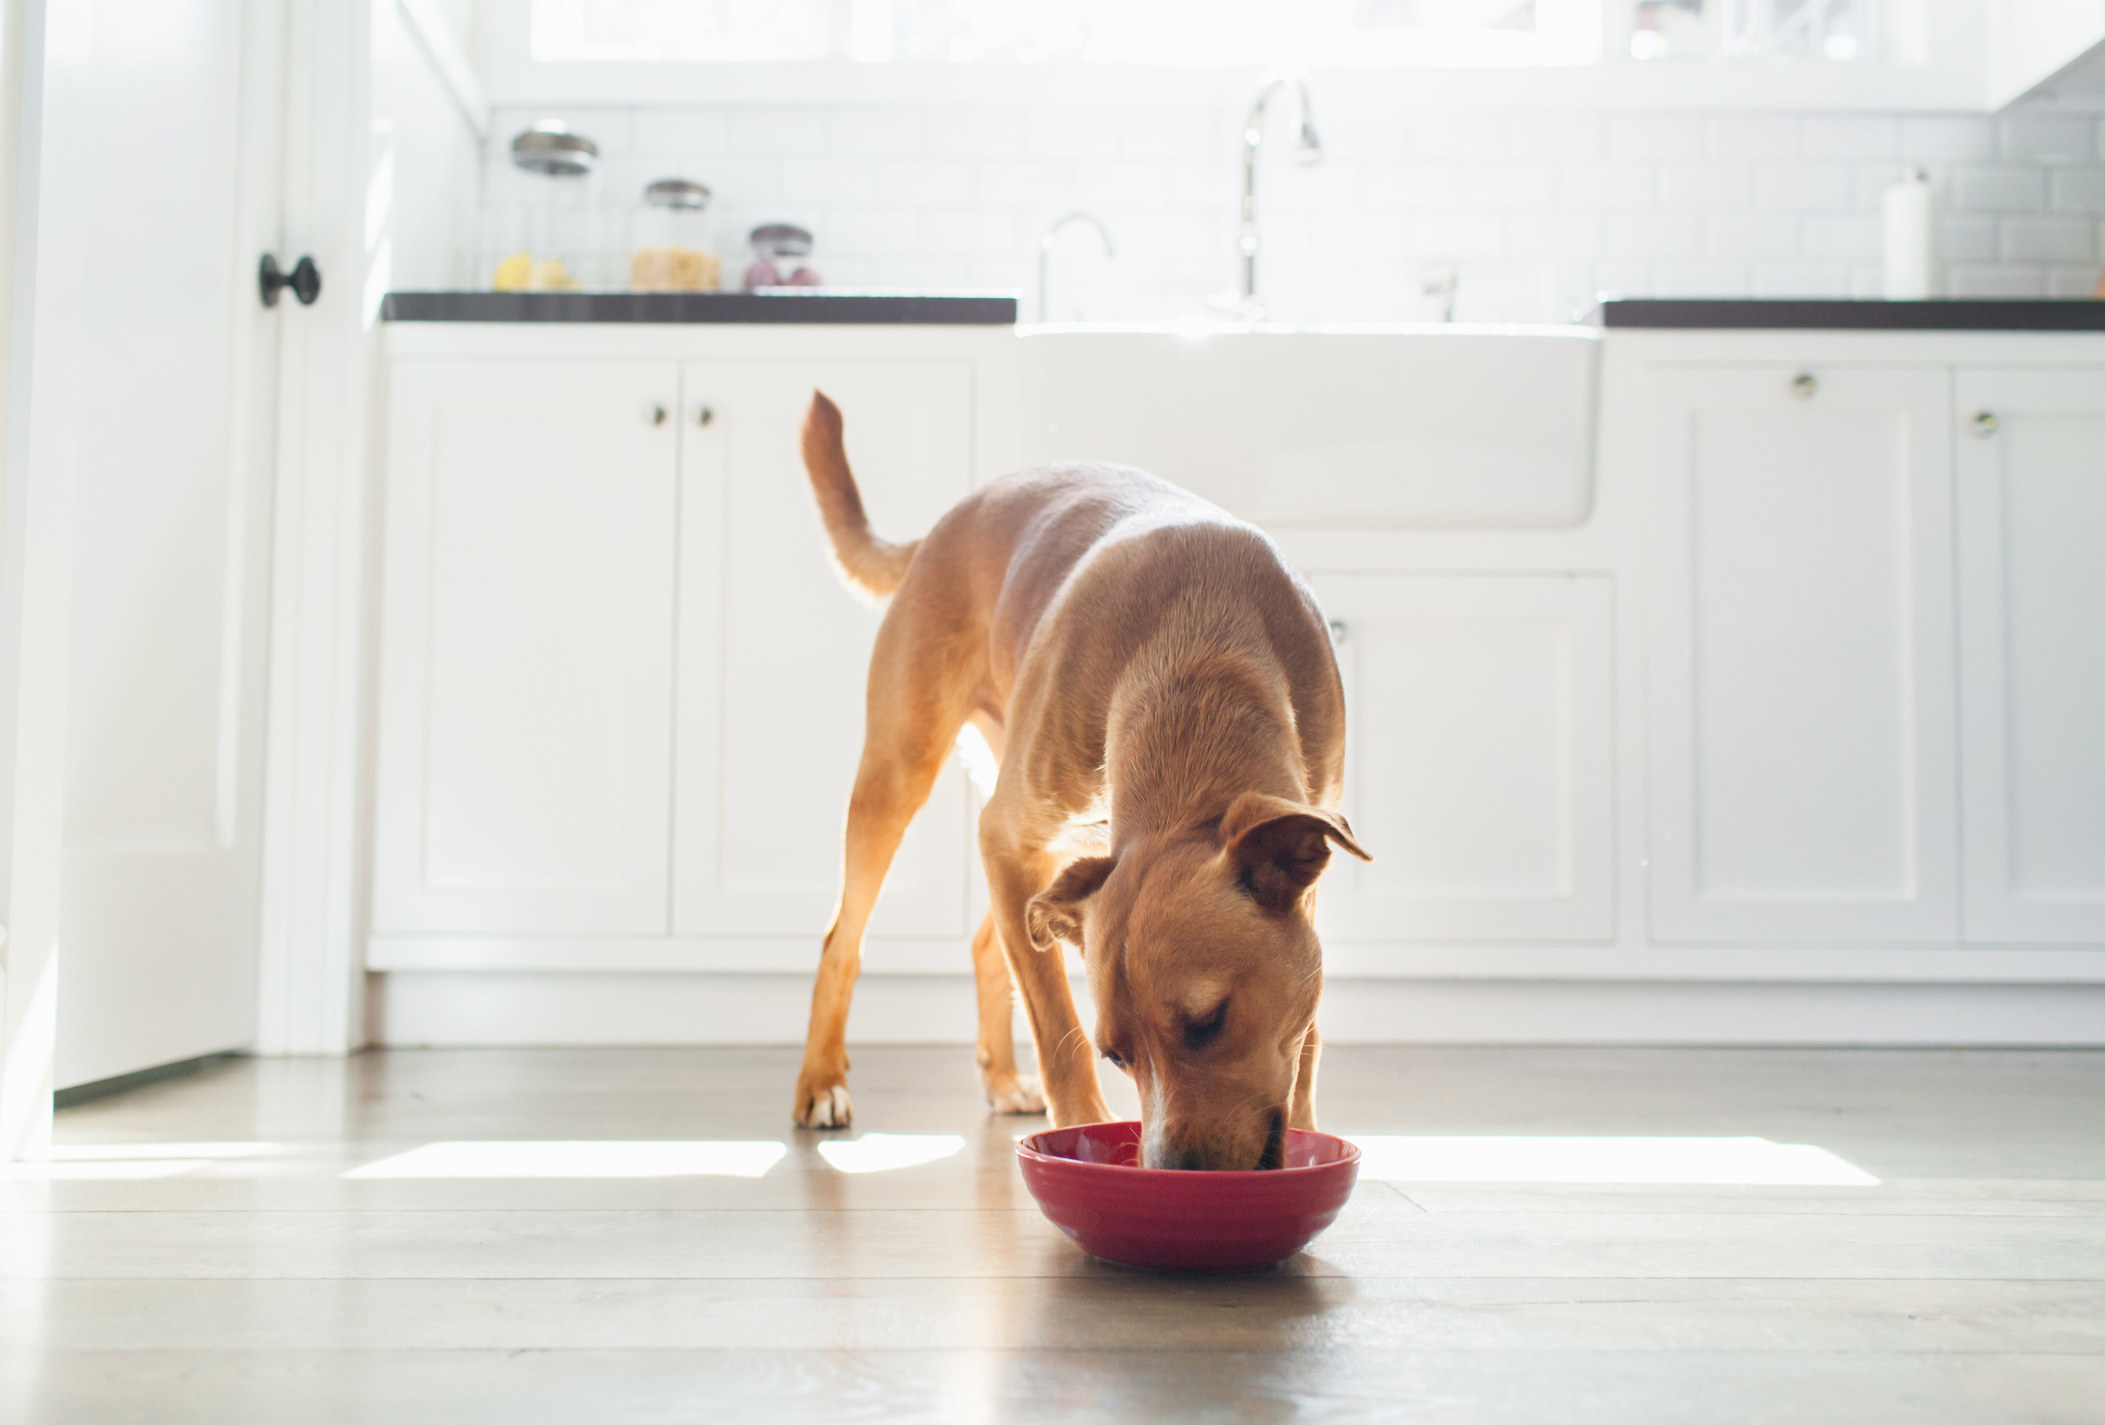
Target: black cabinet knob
<point x="305" y="280"/>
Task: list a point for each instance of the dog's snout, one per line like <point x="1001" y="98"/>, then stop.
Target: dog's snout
<point x="1259" y="1143"/>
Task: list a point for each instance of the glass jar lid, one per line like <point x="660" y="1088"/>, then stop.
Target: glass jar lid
<point x="677" y="193"/>
<point x="549" y="147"/>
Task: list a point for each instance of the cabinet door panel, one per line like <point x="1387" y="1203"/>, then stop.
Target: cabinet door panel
<point x="2032" y="653"/>
<point x="526" y="687"/>
<point x="1800" y="659"/>
<point x="774" y="651"/>
<point x="1478" y="757"/>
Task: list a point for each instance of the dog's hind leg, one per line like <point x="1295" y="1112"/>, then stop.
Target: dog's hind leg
<point x="914" y="712"/>
<point x="1007" y="1092"/>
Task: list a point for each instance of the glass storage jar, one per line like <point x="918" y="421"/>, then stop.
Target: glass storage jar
<point x="547" y="234"/>
<point x="670" y="249"/>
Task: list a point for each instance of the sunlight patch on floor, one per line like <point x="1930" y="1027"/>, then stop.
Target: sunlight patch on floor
<point x="580" y="1159"/>
<point x="882" y="1152"/>
<point x="1718" y="1162"/>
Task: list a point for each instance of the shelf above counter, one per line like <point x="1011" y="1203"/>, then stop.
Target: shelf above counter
<point x="1782" y="314"/>
<point x="774" y="308"/>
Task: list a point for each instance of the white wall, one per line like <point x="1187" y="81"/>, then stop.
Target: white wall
<point x="1537" y="210"/>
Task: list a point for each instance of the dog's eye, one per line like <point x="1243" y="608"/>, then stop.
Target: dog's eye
<point x="1112" y="1057"/>
<point x="1198" y="1033"/>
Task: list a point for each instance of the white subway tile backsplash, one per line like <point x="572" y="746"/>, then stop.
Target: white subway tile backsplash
<point x="1799" y="279"/>
<point x="1451" y="235"/>
<point x="1556" y="234"/>
<point x="1608" y="185"/>
<point x="1508" y="185"/>
<point x="874" y="131"/>
<point x="1770" y="136"/>
<point x="682" y="131"/>
<point x="1824" y="236"/>
<point x="778" y="133"/>
<point x="2046" y="138"/>
<point x="1538" y="136"/>
<point x="1999" y="190"/>
<point x="1023" y="183"/>
<point x="1941" y="140"/>
<point x="922" y="182"/>
<point x="1538" y="209"/>
<point x="1107" y="184"/>
<point x="1975" y="279"/>
<point x="1967" y="238"/>
<point x="1711" y="278"/>
<point x="1654" y="235"/>
<point x="825" y="181"/>
<point x="1654" y="136"/>
<point x="1412" y="187"/>
<point x="2048" y="239"/>
<point x="2072" y="280"/>
<point x="1804" y="186"/>
<point x="1712" y="184"/>
<point x="1751" y="235"/>
<point x="1461" y="134"/>
<point x="1849" y="136"/>
<point x="2079" y="190"/>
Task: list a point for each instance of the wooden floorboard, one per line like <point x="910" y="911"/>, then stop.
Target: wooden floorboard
<point x="197" y="1253"/>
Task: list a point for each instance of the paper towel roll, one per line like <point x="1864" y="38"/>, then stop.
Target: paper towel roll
<point x="1911" y="239"/>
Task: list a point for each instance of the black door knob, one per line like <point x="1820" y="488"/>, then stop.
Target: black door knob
<point x="305" y="280"/>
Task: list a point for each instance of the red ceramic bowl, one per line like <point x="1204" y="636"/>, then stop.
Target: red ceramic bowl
<point x="1089" y="1181"/>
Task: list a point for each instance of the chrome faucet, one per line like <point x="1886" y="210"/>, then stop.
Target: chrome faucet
<point x="1308" y="152"/>
<point x="1045" y="247"/>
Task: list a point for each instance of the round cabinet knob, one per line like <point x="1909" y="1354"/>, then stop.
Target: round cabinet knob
<point x="1805" y="385"/>
<point x="1337" y="630"/>
<point x="656" y="413"/>
<point x="1984" y="424"/>
<point x="705" y="416"/>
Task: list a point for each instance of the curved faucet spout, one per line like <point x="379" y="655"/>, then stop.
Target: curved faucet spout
<point x="1308" y="151"/>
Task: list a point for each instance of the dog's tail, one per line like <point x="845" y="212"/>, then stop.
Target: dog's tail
<point x="875" y="566"/>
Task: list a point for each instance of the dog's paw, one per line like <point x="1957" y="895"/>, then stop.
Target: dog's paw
<point x="824" y="1107"/>
<point x="1017" y="1095"/>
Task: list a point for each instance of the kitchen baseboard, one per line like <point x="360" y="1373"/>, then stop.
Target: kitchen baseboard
<point x="499" y="1009"/>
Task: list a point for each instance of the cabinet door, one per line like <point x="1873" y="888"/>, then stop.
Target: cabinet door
<point x="774" y="650"/>
<point x="1478" y="757"/>
<point x="2032" y="652"/>
<point x="1799" y="664"/>
<point x="526" y="663"/>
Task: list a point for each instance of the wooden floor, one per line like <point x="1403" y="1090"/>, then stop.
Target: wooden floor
<point x="196" y="1253"/>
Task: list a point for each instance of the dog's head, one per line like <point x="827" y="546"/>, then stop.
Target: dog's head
<point x="1203" y="961"/>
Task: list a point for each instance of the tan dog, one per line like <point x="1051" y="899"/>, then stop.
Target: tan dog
<point x="1160" y="694"/>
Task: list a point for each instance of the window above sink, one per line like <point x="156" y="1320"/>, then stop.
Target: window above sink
<point x="1832" y="54"/>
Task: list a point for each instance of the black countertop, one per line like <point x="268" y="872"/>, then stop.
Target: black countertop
<point x="1961" y="314"/>
<point x="765" y="308"/>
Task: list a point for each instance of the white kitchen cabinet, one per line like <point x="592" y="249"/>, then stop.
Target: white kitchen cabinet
<point x="525" y="714"/>
<point x="1479" y="757"/>
<point x="1799" y="661"/>
<point x="774" y="649"/>
<point x="2031" y="529"/>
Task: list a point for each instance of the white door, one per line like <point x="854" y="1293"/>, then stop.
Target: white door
<point x="1479" y="757"/>
<point x="1799" y="663"/>
<point x="774" y="652"/>
<point x="2032" y="651"/>
<point x="168" y="189"/>
<point x="525" y="739"/>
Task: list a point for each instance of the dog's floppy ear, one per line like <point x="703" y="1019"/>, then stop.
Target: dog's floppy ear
<point x="1279" y="847"/>
<point x="1055" y="913"/>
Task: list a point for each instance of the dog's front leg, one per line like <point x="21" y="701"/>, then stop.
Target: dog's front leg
<point x="1066" y="1057"/>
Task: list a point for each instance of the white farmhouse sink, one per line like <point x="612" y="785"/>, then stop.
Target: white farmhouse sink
<point x="1414" y="427"/>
